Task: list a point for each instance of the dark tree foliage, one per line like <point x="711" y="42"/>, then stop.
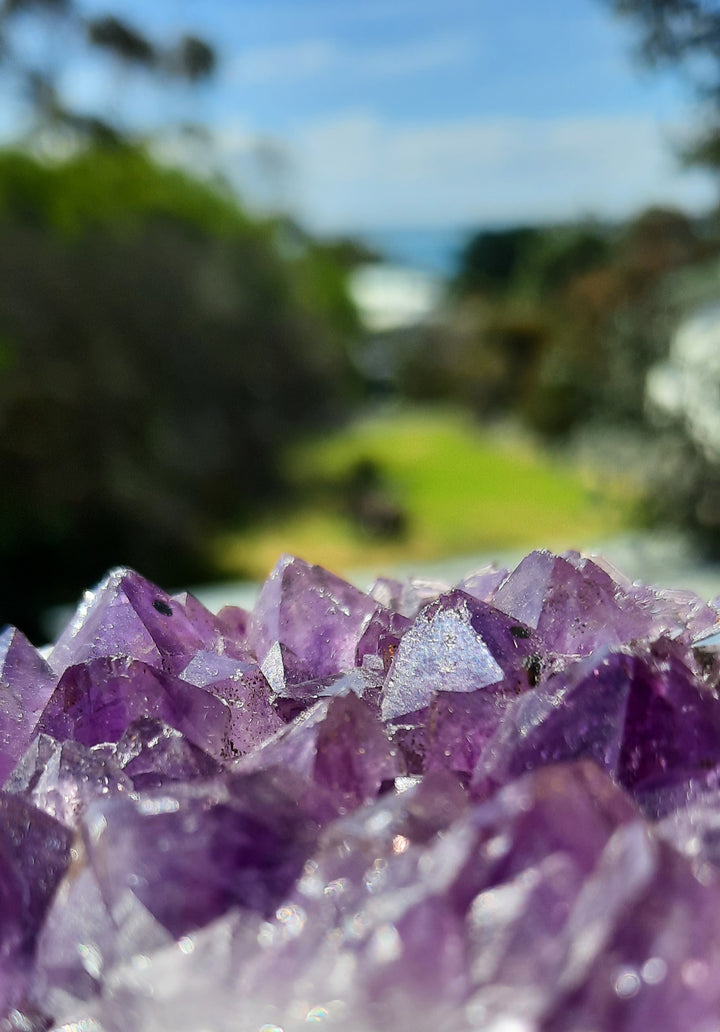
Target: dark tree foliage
<point x="685" y="33"/>
<point x="493" y="257"/>
<point x="188" y="58"/>
<point x="194" y="58"/>
<point x="558" y="325"/>
<point x="122" y="39"/>
<point x="155" y="353"/>
<point x="674" y="29"/>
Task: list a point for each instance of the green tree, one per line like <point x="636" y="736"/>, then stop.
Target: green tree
<point x="187" y="58"/>
<point x="559" y="325"/>
<point x="156" y="351"/>
<point x="684" y="34"/>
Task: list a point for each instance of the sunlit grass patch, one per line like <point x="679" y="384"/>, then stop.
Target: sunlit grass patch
<point x="461" y="489"/>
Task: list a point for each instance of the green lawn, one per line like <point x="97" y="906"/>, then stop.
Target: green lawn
<point x="463" y="490"/>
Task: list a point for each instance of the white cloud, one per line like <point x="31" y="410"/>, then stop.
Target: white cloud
<point x="316" y="57"/>
<point x="359" y="171"/>
<point x="293" y="61"/>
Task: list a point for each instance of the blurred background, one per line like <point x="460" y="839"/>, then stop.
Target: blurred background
<point x="384" y="284"/>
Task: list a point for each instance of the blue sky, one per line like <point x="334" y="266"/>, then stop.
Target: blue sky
<point x="362" y="114"/>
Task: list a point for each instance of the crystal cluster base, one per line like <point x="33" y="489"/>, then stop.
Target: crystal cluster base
<point x="432" y="808"/>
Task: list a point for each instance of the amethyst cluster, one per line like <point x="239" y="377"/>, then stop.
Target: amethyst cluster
<point x="432" y="809"/>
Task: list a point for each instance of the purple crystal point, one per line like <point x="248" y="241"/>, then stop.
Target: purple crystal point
<point x="339" y="745"/>
<point x="26" y="684"/>
<point x="483" y="584"/>
<point x="459" y="726"/>
<point x="84" y="938"/>
<point x="380" y="639"/>
<point x="127" y="615"/>
<point x="575" y="606"/>
<point x="306" y="623"/>
<point x="457" y="644"/>
<point x="223" y="634"/>
<point x="152" y="754"/>
<point x="233" y="622"/>
<point x="96" y="702"/>
<point x="639" y="714"/>
<point x="578" y="714"/>
<point x="242" y="685"/>
<point x="672" y="723"/>
<point x="407" y="597"/>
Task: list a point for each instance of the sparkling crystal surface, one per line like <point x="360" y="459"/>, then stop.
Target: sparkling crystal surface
<point x="491" y="807"/>
<point x="96" y="702"/>
<point x="457" y="644"/>
<point x="26" y="684"/>
<point x="307" y="623"/>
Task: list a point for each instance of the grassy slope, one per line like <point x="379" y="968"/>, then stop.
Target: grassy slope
<point x="463" y="490"/>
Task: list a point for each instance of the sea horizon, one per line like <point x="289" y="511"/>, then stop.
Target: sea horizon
<point x="434" y="250"/>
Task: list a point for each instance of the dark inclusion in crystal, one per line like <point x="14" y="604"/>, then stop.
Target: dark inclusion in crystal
<point x="494" y="806"/>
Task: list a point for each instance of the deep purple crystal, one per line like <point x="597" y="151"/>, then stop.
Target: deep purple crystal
<point x="340" y="745"/>
<point x="242" y="685"/>
<point x="151" y="754"/>
<point x="96" y="702"/>
<point x="34" y="855"/>
<point x="190" y="852"/>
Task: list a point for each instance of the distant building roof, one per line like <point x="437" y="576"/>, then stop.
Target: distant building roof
<point x="390" y="297"/>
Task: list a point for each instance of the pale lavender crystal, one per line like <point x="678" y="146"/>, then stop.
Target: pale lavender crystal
<point x="457" y="644"/>
<point x="233" y="622"/>
<point x="190" y="852"/>
<point x="85" y="935"/>
<point x="26" y="684"/>
<point x="693" y="825"/>
<point x="655" y="962"/>
<point x="484" y="582"/>
<point x="573" y="610"/>
<point x="407" y="597"/>
<point x="306" y="624"/>
<point x="389" y="914"/>
<point x="63" y="778"/>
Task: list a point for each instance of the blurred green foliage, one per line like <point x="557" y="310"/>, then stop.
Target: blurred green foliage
<point x="684" y="34"/>
<point x="116" y="189"/>
<point x="559" y="325"/>
<point x="157" y="346"/>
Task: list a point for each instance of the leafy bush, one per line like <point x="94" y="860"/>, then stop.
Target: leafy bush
<point x="155" y="350"/>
